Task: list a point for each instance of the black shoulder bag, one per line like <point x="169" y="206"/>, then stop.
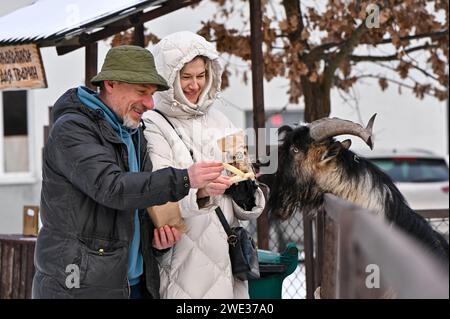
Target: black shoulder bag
<point x="242" y="250"/>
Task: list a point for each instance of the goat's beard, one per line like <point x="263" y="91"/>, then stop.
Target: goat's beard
<point x="291" y="193"/>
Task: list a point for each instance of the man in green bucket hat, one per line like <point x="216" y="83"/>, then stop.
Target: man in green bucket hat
<point x="96" y="240"/>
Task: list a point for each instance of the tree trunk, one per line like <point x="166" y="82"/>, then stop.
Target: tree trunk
<point x="317" y="100"/>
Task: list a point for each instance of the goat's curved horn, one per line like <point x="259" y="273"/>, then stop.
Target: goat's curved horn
<point x="329" y="127"/>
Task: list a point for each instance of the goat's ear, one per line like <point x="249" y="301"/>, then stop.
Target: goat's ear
<point x="346" y="144"/>
<point x="283" y="132"/>
<point x="333" y="151"/>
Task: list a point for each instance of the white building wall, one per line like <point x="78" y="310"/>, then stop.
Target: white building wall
<point x="63" y="72"/>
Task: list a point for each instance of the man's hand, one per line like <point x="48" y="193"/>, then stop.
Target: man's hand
<point x="202" y="173"/>
<point x="216" y="187"/>
<point x="165" y="237"/>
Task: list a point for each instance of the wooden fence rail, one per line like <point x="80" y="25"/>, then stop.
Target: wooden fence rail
<point x="358" y="255"/>
<point x="16" y="266"/>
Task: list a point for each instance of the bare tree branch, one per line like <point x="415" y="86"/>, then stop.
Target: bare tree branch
<point x="323" y="47"/>
<point x="424" y="72"/>
<point x="376" y="76"/>
<point x="360" y="58"/>
<point x="346" y="48"/>
<point x="292" y="9"/>
<point x="320" y="50"/>
<point x="438" y="34"/>
<point x="351" y="98"/>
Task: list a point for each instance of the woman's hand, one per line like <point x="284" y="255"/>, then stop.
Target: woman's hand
<point x="165" y="237"/>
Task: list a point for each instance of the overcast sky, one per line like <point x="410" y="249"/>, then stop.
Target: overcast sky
<point x="403" y="121"/>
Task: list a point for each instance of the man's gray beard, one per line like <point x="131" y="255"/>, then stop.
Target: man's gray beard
<point x="129" y="123"/>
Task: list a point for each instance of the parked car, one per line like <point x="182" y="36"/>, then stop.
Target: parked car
<point x="420" y="175"/>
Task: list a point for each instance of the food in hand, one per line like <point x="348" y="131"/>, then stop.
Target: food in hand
<point x="239" y="175"/>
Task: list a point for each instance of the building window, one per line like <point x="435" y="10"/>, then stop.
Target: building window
<point x="14" y="142"/>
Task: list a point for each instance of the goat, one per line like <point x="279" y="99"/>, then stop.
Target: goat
<point x="311" y="163"/>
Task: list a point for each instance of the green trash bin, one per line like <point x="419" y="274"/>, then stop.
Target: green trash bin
<point x="273" y="268"/>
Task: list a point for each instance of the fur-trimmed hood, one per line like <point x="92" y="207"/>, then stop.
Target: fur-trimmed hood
<point x="171" y="54"/>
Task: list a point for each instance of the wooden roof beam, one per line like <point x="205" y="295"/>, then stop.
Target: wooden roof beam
<point x="121" y="25"/>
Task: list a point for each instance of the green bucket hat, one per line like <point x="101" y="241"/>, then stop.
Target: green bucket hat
<point x="130" y="64"/>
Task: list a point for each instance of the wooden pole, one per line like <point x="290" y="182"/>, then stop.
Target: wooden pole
<point x="257" y="64"/>
<point x="91" y="60"/>
<point x="308" y="241"/>
<point x="258" y="100"/>
<point x="139" y="38"/>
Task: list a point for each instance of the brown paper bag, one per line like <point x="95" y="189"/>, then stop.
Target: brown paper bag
<point x="167" y="214"/>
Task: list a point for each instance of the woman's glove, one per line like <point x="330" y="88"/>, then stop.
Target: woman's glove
<point x="243" y="194"/>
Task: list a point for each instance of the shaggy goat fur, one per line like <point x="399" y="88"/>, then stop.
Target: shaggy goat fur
<point x="308" y="169"/>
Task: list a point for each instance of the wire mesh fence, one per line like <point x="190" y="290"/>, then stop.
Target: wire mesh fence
<point x="280" y="234"/>
<point x="440" y="225"/>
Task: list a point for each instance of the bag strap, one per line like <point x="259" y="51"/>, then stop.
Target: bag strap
<point x="170" y="123"/>
<point x="232" y="238"/>
<point x="223" y="221"/>
<point x="176" y="131"/>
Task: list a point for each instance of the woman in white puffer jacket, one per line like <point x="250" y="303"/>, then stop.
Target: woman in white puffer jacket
<point x="198" y="266"/>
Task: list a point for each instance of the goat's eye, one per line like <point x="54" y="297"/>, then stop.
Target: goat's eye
<point x="294" y="149"/>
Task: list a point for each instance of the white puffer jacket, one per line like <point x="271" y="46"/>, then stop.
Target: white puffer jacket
<point x="198" y="266"/>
